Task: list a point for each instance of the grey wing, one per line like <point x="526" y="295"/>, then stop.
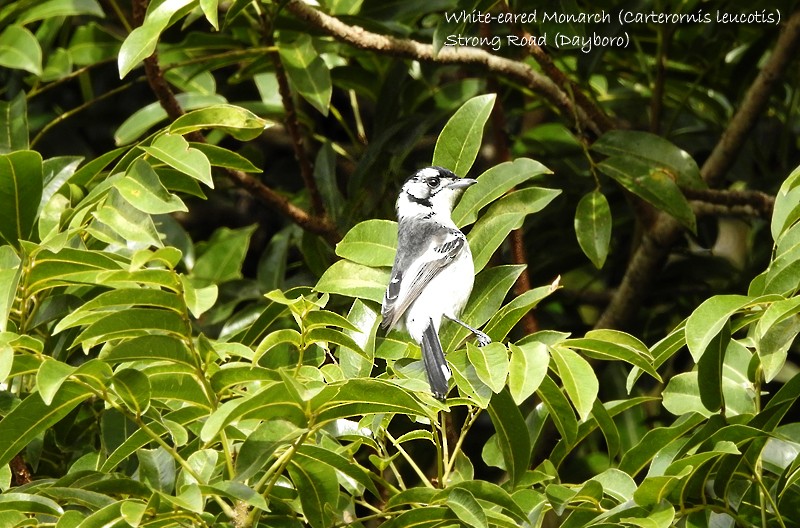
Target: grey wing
<point x="410" y="276"/>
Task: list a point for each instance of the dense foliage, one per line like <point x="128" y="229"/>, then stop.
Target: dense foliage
<point x="196" y="217"/>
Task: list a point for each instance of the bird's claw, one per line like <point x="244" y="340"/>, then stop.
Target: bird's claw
<point x="482" y="338"/>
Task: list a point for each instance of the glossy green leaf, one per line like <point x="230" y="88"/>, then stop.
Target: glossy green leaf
<point x="491" y="364"/>
<point x="709" y="370"/>
<point x="354" y="280"/>
<point x="343" y="465"/>
<point x="142" y="188"/>
<point x="371" y="243"/>
<point x="578" y="378"/>
<point x="261" y="445"/>
<point x="240" y="123"/>
<point x="527" y="369"/>
<point x="501" y="324"/>
<point x="559" y="409"/>
<point x="133" y="322"/>
<point x="33" y="416"/>
<point x="29" y="503"/>
<point x="317" y="487"/>
<point x="157" y="469"/>
<point x="133" y="388"/>
<point x="504" y="216"/>
<point x="774" y="334"/>
<point x="199" y="299"/>
<point x="654" y="151"/>
<point x="141" y="42"/>
<point x="307" y="72"/>
<point x="222" y="157"/>
<point x="14" y="124"/>
<point x="51" y="375"/>
<point x="460" y="139"/>
<point x="150" y="348"/>
<point x="20" y="192"/>
<point x="512" y="435"/>
<point x="467" y="380"/>
<point x="493" y="184"/>
<point x="593" y="227"/>
<point x="128" y="223"/>
<point x="223" y="255"/>
<point x="615" y="345"/>
<point x="787" y="205"/>
<point x="9" y="279"/>
<point x="640" y="455"/>
<point x="710" y="317"/>
<point x="175" y="151"/>
<point x="145" y="118"/>
<point x="653" y="184"/>
<point x="384" y="397"/>
<point x="60" y="8"/>
<point x="467" y="508"/>
<point x="20" y="50"/>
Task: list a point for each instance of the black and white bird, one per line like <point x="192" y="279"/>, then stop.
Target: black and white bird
<point x="433" y="274"/>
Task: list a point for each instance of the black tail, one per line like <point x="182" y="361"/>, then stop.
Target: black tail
<point x="435" y="364"/>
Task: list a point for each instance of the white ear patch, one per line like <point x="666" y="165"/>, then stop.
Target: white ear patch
<point x="428" y="172"/>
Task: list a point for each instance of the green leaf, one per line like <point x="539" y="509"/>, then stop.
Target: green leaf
<point x="593" y="227"/>
<point x="126" y="221"/>
<point x="653" y="184"/>
<point x="615" y="345"/>
<point x="460" y="139"/>
<point x="307" y="72"/>
<point x="774" y="334"/>
<point x="512" y="435"/>
<point x="14" y="124"/>
<point x="150" y="115"/>
<point x="709" y="370"/>
<point x="786" y="211"/>
<point x="466" y="508"/>
<point x="223" y="255"/>
<point x="10" y="273"/>
<point x="261" y="445"/>
<point x="240" y="123"/>
<point x="640" y="455"/>
<point x="30" y="504"/>
<point x="20" y="50"/>
<point x="491" y="364"/>
<point x="467" y="380"/>
<point x="354" y="280"/>
<point x="371" y="243"/>
<point x="493" y="184"/>
<point x="150" y="348"/>
<point x="142" y="188"/>
<point x="653" y="151"/>
<point x="199" y="299"/>
<point x="317" y="488"/>
<point x="505" y="215"/>
<point x="509" y="315"/>
<point x="578" y="378"/>
<point x="559" y="408"/>
<point x="60" y="8"/>
<point x="369" y="396"/>
<point x="20" y="193"/>
<point x="527" y="369"/>
<point x="33" y="417"/>
<point x="222" y="157"/>
<point x="710" y="317"/>
<point x="344" y="465"/>
<point x="141" y="42"/>
<point x="133" y="388"/>
<point x="157" y="469"/>
<point x="175" y="151"/>
<point x="131" y="323"/>
<point x="50" y="376"/>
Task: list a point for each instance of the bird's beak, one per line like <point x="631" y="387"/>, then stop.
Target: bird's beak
<point x="462" y="183"/>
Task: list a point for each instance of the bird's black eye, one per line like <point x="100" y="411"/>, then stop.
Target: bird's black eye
<point x="432" y="182"/>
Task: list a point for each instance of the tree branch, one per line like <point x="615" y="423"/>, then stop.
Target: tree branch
<point x="517" y="71"/>
<point x="320" y="225"/>
<point x="736" y="203"/>
<point x="656" y="244"/>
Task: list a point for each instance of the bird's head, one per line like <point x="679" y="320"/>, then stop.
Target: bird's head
<point x="432" y="190"/>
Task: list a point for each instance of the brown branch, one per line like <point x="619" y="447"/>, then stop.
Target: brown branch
<point x="735" y="203"/>
<point x="293" y="126"/>
<point x="657" y="242"/>
<point x="318" y="224"/>
<point x="520" y="72"/>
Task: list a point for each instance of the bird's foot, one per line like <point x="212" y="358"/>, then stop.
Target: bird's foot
<point x="482" y="338"/>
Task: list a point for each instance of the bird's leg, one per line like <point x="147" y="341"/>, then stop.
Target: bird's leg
<point x="482" y="338"/>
